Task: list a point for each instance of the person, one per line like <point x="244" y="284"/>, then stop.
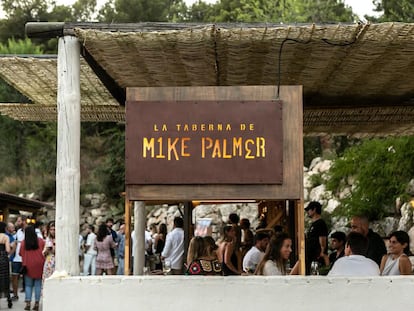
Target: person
<point x="103" y="243"/>
<point x="121" y="250"/>
<point x="226" y="252"/>
<point x="234" y="220"/>
<point x="109" y="223"/>
<point x="159" y="244"/>
<point x="338" y="239"/>
<point x="5" y="264"/>
<point x="276" y="258"/>
<point x="210" y="246"/>
<point x="316" y="237"/>
<point x="397" y="261"/>
<point x="173" y="251"/>
<point x="247" y="237"/>
<point x="49" y="251"/>
<point x="256" y="253"/>
<point x="376" y="246"/>
<point x="89" y="258"/>
<point x="199" y="259"/>
<point x="354" y="263"/>
<point x="21" y="225"/>
<point x="32" y="258"/>
<point x="10" y="232"/>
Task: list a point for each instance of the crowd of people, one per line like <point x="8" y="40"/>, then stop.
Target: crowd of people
<point x="360" y="253"/>
<point x="28" y="251"/>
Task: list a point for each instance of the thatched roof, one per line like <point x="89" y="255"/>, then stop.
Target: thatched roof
<point x="357" y="79"/>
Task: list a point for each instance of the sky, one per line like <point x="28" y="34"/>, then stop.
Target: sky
<point x="360" y="7"/>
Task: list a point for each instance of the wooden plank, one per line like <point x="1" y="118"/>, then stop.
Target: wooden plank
<point x="292" y="187"/>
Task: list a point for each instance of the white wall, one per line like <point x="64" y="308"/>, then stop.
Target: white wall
<point x="183" y="293"/>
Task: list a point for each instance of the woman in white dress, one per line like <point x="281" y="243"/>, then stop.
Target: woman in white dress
<point x="276" y="258"/>
<point x="396" y="262"/>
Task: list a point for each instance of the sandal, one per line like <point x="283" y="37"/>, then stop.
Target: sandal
<point x="27" y="307"/>
<point x="36" y="306"/>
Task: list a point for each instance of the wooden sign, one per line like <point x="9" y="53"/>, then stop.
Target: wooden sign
<point x="204" y="142"/>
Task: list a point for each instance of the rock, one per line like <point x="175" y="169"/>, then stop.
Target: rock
<point x="318" y="194"/>
<point x="314" y="163"/>
<point x="331" y="206"/>
<point x="322" y="166"/>
<point x="406" y="220"/>
<point x="411" y="235"/>
<point x="307" y="179"/>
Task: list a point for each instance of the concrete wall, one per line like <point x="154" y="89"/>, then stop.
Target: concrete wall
<point x="183" y="293"/>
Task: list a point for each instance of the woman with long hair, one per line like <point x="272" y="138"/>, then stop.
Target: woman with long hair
<point x="226" y="252"/>
<point x="49" y="251"/>
<point x="159" y="244"/>
<point x="4" y="264"/>
<point x="200" y="259"/>
<point x="276" y="258"/>
<point x="31" y="251"/>
<point x="103" y="244"/>
<point x="396" y="262"/>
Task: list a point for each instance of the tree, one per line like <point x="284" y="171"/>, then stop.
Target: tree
<point x="381" y="169"/>
<point x="286" y="11"/>
<point x="129" y="11"/>
<point x="394" y="10"/>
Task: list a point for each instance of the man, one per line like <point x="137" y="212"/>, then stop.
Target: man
<point x="376" y="246"/>
<point x="256" y="253"/>
<point x="21" y="225"/>
<point x="89" y="260"/>
<point x="121" y="250"/>
<point x="354" y="263"/>
<point x="174" y="247"/>
<point x="338" y="240"/>
<point x="316" y="237"/>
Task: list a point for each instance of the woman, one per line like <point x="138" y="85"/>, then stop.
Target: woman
<point x="276" y="258"/>
<point x="4" y="264"/>
<point x="200" y="260"/>
<point x="103" y="244"/>
<point x="159" y="244"/>
<point x="396" y="262"/>
<point x="49" y="251"/>
<point x="226" y="252"/>
<point x="32" y="258"/>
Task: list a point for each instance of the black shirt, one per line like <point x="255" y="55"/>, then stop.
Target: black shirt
<point x="376" y="247"/>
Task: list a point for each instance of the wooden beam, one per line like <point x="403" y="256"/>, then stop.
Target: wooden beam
<point x="111" y="85"/>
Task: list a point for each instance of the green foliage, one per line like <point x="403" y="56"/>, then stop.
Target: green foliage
<point x="20" y="47"/>
<point x="381" y="169"/>
<point x="112" y="171"/>
<point x="127" y="11"/>
<point x="394" y="11"/>
<point x="286" y="11"/>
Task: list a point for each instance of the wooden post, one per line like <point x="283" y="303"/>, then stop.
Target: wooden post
<point x="188" y="212"/>
<point x="300" y="231"/>
<point x="127" y="256"/>
<point x="139" y="237"/>
<point x="68" y="156"/>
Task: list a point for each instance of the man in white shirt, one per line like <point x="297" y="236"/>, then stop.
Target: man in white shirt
<point x="89" y="260"/>
<point x="256" y="253"/>
<point x="174" y="247"/>
<point x="354" y="263"/>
